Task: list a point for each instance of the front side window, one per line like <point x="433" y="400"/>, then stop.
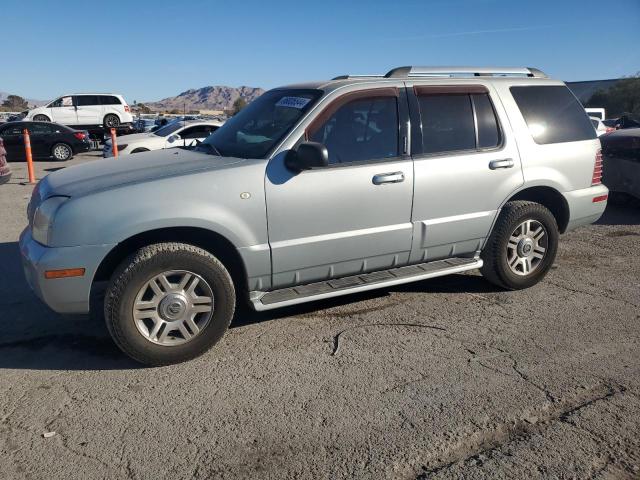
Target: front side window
<point x="258" y="128"/>
<point x="198" y="131"/>
<point x="87" y="100"/>
<point x="363" y="129"/>
<point x="553" y="114"/>
<point x="62" y="102"/>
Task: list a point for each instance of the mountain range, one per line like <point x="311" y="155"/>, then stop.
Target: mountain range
<point x="207" y="98"/>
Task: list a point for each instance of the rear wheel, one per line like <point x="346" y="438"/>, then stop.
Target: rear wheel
<point x="61" y="152"/>
<point x="168" y="303"/>
<point x="111" y="121"/>
<point x="41" y="118"/>
<point x="522" y="247"/>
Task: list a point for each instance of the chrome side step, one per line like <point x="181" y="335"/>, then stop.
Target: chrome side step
<point x="360" y="283"/>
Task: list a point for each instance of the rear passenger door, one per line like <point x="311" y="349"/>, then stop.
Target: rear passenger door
<point x="466" y="164"/>
<point x="89" y="109"/>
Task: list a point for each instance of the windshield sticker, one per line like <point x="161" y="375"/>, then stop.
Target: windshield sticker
<point x="293" y="102"/>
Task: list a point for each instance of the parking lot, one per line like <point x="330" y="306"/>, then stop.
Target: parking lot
<point x="444" y="378"/>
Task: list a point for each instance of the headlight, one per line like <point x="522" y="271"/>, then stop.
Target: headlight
<point x="43" y="218"/>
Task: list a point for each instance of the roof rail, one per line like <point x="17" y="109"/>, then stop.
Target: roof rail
<point x="346" y="77"/>
<point x="406" y="72"/>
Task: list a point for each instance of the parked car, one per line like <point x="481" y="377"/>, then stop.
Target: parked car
<point x="600" y="127"/>
<point x="142" y="125"/>
<point x="86" y="110"/>
<point x="5" y="170"/>
<point x="621" y="155"/>
<point x="319" y="190"/>
<point x="173" y="134"/>
<point x="48" y="140"/>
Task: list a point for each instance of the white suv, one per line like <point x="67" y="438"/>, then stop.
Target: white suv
<point x="85" y="110"/>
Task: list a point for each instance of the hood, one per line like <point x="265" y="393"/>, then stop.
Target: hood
<point x="110" y="173"/>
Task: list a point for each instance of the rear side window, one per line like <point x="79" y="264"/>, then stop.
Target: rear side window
<point x="109" y="100"/>
<point x="553" y="114"/>
<point x="87" y="100"/>
<point x="457" y="122"/>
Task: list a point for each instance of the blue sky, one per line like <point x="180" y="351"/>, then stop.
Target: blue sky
<point x="148" y="50"/>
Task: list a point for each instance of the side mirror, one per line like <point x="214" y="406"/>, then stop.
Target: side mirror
<point x="173" y="138"/>
<point x="308" y="155"/>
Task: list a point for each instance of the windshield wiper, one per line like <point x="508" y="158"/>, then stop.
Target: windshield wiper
<point x="212" y="148"/>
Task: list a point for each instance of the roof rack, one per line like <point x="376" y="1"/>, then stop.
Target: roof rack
<point x="406" y="72"/>
<point x="346" y="77"/>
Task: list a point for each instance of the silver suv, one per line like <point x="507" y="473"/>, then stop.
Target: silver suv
<point x="318" y="190"/>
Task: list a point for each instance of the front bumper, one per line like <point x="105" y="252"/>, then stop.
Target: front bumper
<point x="583" y="210"/>
<point x="63" y="295"/>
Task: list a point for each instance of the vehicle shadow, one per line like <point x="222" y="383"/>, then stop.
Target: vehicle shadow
<point x="625" y="214"/>
<point x="36" y="338"/>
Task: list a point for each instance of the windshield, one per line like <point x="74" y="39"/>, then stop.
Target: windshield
<point x="168" y="129"/>
<point x="258" y="128"/>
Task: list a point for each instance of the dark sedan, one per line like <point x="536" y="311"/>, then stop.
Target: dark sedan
<point x="48" y="140"/>
<point x="5" y="171"/>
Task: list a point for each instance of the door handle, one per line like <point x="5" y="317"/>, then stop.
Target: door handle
<point x="395" y="177"/>
<point x="504" y="163"/>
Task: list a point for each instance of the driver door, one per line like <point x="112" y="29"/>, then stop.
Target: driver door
<point x="354" y="215"/>
<point x="64" y="111"/>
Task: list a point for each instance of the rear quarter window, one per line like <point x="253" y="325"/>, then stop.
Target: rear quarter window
<point x="553" y="114"/>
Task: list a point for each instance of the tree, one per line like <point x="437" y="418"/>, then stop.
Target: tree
<point x="14" y="103"/>
<point x="142" y="108"/>
<point x="623" y="97"/>
<point x="239" y="104"/>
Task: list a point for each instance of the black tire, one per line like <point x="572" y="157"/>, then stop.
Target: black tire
<point x="140" y="150"/>
<point x="111" y="121"/>
<point x="495" y="254"/>
<point x="61" y="152"/>
<point x="41" y="118"/>
<point x="136" y="271"/>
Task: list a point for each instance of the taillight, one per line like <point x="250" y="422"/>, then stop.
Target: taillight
<point x="127" y="109"/>
<point x="610" y="129"/>
<point x="79" y="135"/>
<point x="596" y="179"/>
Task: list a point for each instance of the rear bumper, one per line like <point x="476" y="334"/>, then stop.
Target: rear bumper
<point x="583" y="210"/>
<point x="63" y="295"/>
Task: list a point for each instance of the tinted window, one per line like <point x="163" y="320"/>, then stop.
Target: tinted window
<point x="553" y="114"/>
<point x="488" y="130"/>
<point x="447" y="123"/>
<point x="87" y="100"/>
<point x="199" y="131"/>
<point x="258" y="128"/>
<point x="109" y="100"/>
<point x="365" y="129"/>
<point x="12" y="130"/>
<point x="595" y="123"/>
<point x="41" y="129"/>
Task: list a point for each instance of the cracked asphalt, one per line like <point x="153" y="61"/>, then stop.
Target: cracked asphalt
<point x="446" y="378"/>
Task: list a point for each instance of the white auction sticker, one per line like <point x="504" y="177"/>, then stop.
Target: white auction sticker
<point x="293" y="102"/>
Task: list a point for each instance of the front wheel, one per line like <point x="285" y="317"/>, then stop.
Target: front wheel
<point x="168" y="303"/>
<point x="522" y="247"/>
<point x="41" y="118"/>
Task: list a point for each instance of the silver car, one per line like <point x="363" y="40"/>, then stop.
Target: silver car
<point x="319" y="190"/>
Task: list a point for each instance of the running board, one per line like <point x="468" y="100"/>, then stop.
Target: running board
<point x="360" y="283"/>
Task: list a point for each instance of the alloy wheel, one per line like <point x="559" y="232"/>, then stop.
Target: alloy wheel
<point x="527" y="247"/>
